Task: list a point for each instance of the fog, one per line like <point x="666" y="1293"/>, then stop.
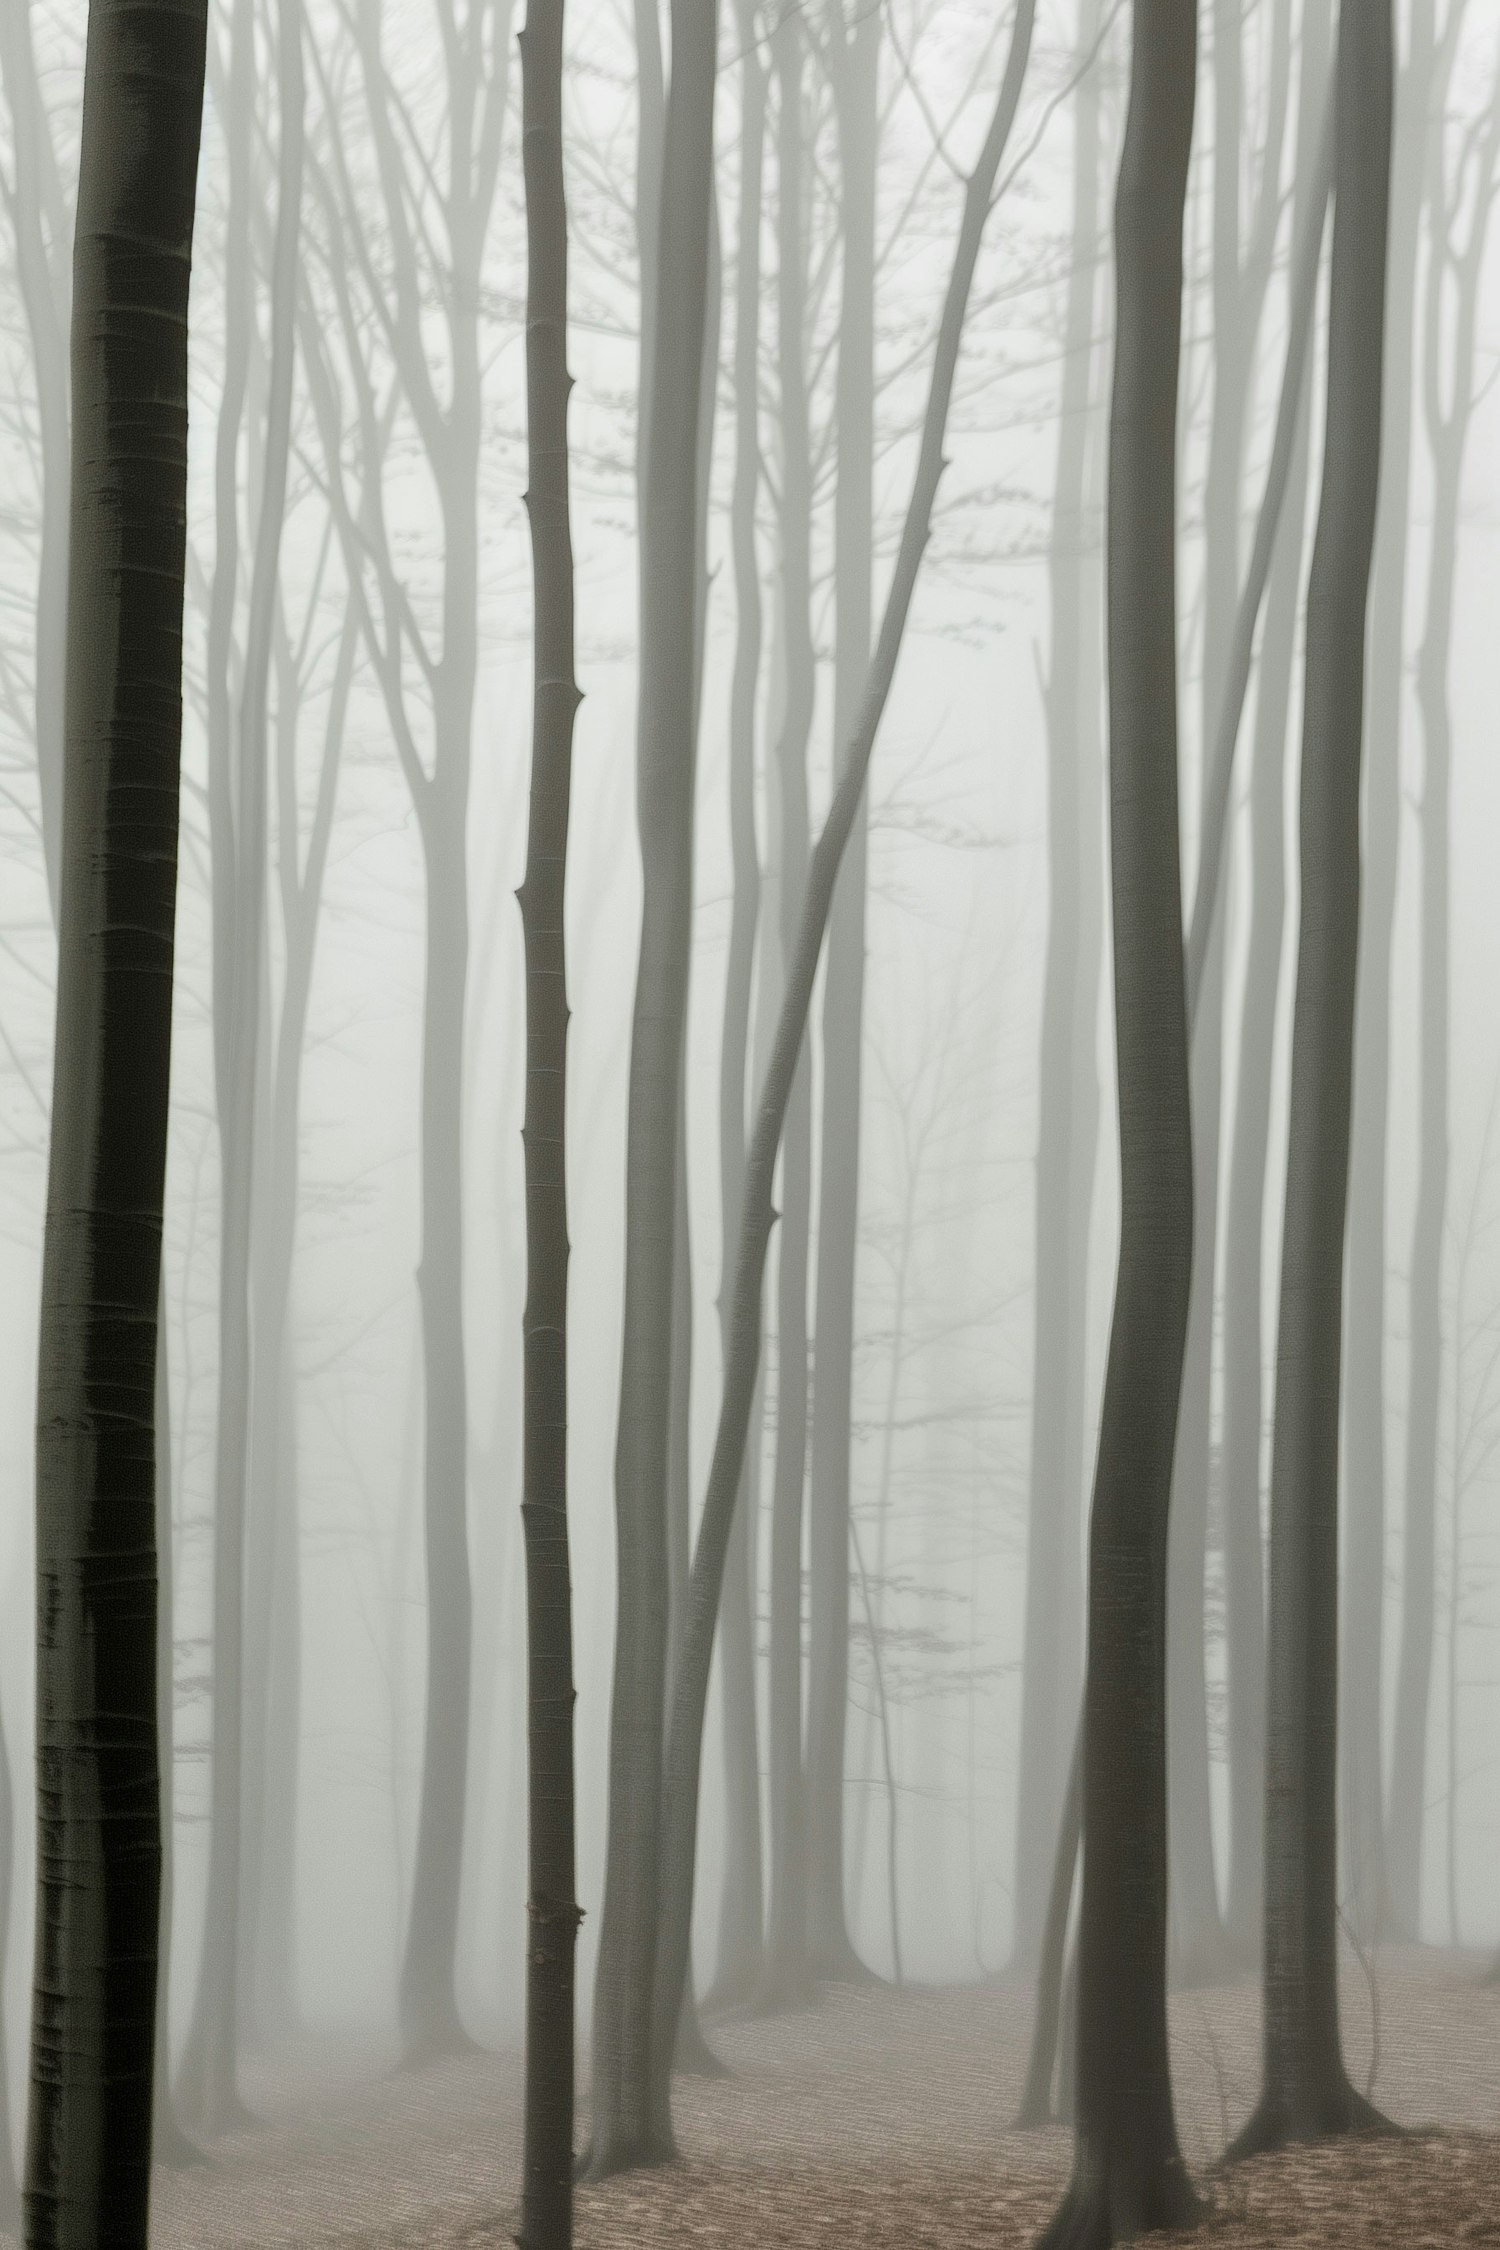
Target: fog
<point x="378" y="599"/>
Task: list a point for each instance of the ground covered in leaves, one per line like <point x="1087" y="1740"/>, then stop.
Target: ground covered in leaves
<point x="879" y="2118"/>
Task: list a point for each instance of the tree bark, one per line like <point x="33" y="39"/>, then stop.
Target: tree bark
<point x="1128" y="2173"/>
<point x="88" y="2157"/>
<point x="1068" y="1075"/>
<point x="1306" y="2090"/>
<point x="552" y="1910"/>
<point x="626" y="2129"/>
<point x="685" y="1733"/>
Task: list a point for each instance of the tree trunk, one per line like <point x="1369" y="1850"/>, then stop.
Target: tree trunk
<point x="552" y="1910"/>
<point x="1244" y="1225"/>
<point x="741" y="1912"/>
<point x="786" y="1969"/>
<point x="1068" y="1076"/>
<point x="210" y="2063"/>
<point x="88" y="2157"/>
<point x="1128" y="2173"/>
<point x="854" y="68"/>
<point x="626" y="2127"/>
<point x="1306" y="2091"/>
<point x="690" y="1691"/>
<point x="1382" y="1896"/>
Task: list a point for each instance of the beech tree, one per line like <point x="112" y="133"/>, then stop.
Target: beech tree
<point x="1306" y="2091"/>
<point x="88" y="2155"/>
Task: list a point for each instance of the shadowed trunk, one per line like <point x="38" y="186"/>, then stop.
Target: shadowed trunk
<point x="88" y="2155"/>
<point x="1306" y="2090"/>
<point x="552" y="1910"/>
<point x="1128" y="2173"/>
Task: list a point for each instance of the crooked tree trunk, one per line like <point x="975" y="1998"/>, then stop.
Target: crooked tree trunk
<point x="1383" y="1894"/>
<point x="552" y="1910"/>
<point x="626" y="2125"/>
<point x="742" y="1905"/>
<point x="854" y="67"/>
<point x="1306" y="2090"/>
<point x="88" y="2155"/>
<point x="685" y="1733"/>
<point x="210" y="2063"/>
<point x="1068" y="1075"/>
<point x="1128" y="2173"/>
<point x="786" y="1978"/>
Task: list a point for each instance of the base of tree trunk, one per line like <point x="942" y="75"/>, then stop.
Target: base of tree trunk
<point x="604" y="2161"/>
<point x="842" y="1965"/>
<point x="785" y="1992"/>
<point x="172" y="2146"/>
<point x="435" y="2041"/>
<point x="1279" y="2122"/>
<point x="1115" y="2199"/>
<point x="692" y="2056"/>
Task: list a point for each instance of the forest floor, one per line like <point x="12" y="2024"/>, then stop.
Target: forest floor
<point x="878" y="2118"/>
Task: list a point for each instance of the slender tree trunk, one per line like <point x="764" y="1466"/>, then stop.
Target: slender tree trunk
<point x="1381" y="1894"/>
<point x="210" y="2065"/>
<point x="1128" y="2174"/>
<point x="88" y="2157"/>
<point x="1306" y="2090"/>
<point x="741" y="1911"/>
<point x="685" y="1733"/>
<point x="1447" y="427"/>
<point x="552" y="1910"/>
<point x="627" y="2127"/>
<point x="1067" y="1093"/>
<point x="169" y="2143"/>
<point x="786" y="1969"/>
<point x="854" y="67"/>
<point x="1244" y="1224"/>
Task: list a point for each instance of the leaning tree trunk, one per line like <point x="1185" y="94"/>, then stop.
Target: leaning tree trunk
<point x="1382" y="1893"/>
<point x="1306" y="2091"/>
<point x="690" y="1689"/>
<point x="1128" y="2173"/>
<point x="786" y="1969"/>
<point x="88" y="2155"/>
<point x="741" y="1912"/>
<point x="552" y="1910"/>
<point x="625" y="2128"/>
<point x="1068" y="1077"/>
<point x="854" y="65"/>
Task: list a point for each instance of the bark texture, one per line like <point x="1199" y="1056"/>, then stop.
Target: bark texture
<point x="88" y="2154"/>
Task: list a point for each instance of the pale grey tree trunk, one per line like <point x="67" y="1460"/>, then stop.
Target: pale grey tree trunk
<point x="1380" y="1903"/>
<point x="1068" y="1074"/>
<point x="853" y="54"/>
<point x="627" y="2125"/>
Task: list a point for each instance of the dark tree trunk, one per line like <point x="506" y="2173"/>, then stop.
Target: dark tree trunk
<point x="1279" y="557"/>
<point x="854" y="69"/>
<point x="88" y="2157"/>
<point x="1128" y="2173"/>
<point x="1306" y="2090"/>
<point x="690" y="1689"/>
<point x="741" y="1912"/>
<point x="552" y="1910"/>
<point x="786" y="1969"/>
<point x="1068" y="1079"/>
<point x="210" y="2062"/>
<point x="1383" y="1894"/>
<point x="626" y="2125"/>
